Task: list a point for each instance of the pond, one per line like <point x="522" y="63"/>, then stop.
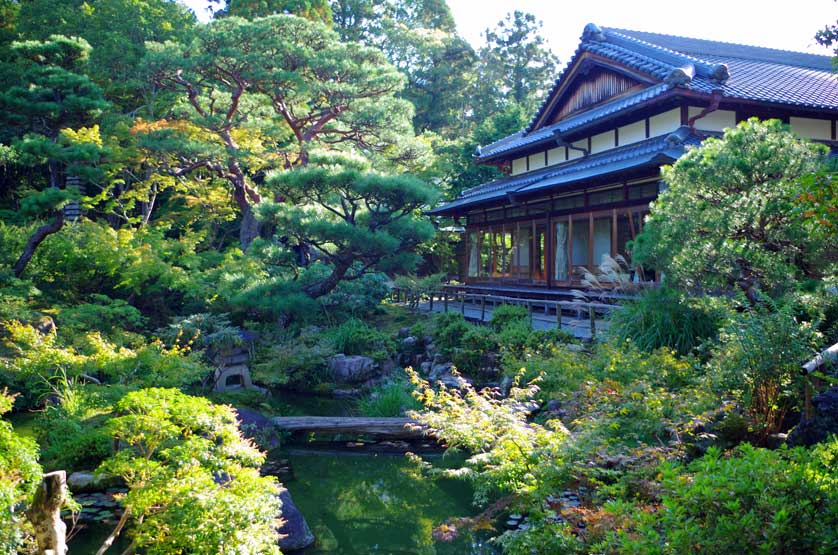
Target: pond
<point x="359" y="504"/>
<point x="355" y="502"/>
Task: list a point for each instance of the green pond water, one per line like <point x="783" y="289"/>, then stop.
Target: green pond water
<point x="359" y="504"/>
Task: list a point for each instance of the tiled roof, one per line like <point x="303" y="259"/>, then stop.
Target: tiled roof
<point x="756" y="73"/>
<point x="738" y="71"/>
<point x="550" y="132"/>
<point x="654" y="151"/>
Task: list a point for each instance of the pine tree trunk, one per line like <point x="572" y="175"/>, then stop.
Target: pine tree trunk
<point x="45" y="514"/>
<point x="250" y="227"/>
<point x="325" y="286"/>
<point x="36" y="239"/>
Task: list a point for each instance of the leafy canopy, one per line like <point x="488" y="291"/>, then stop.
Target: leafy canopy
<point x="20" y="474"/>
<point x="729" y="218"/>
<point x="194" y="483"/>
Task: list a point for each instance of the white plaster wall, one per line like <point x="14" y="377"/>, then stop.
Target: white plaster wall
<point x="537" y="160"/>
<point x="811" y="128"/>
<point x="665" y="122"/>
<point x="632" y="132"/>
<point x="572" y="153"/>
<point x="556" y="155"/>
<point x="519" y="165"/>
<point x="602" y="141"/>
<point x="717" y="120"/>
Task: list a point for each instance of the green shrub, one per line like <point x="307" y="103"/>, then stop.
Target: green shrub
<point x="202" y="330"/>
<point x="664" y="317"/>
<point x="20" y="475"/>
<point x="71" y="429"/>
<point x="755" y="501"/>
<point x="542" y="537"/>
<point x="354" y="337"/>
<point x="103" y="314"/>
<point x="507" y="314"/>
<point x="448" y="331"/>
<point x="758" y="360"/>
<point x="477" y="346"/>
<point x="358" y="297"/>
<point x="391" y="399"/>
<point x="35" y="357"/>
<point x="519" y="342"/>
<point x="293" y="362"/>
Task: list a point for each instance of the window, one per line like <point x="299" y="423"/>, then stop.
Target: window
<point x="494" y="215"/>
<point x="643" y="190"/>
<point x="475" y="218"/>
<point x="560" y="248"/>
<point x="486" y="254"/>
<point x="580" y="241"/>
<point x="609" y="196"/>
<point x="506" y="252"/>
<point x="602" y="239"/>
<point x="473" y="254"/>
<point x="538" y="209"/>
<point x="568" y="203"/>
<point x="524" y="248"/>
<point x="539" y="272"/>
<point x="624" y="234"/>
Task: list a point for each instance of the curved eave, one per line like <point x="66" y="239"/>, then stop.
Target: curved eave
<point x="579" y="122"/>
<point x="650" y="153"/>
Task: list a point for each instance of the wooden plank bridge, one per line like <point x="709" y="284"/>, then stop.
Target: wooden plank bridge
<point x="383" y="427"/>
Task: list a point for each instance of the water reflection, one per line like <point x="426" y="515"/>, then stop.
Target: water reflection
<point x="378" y="504"/>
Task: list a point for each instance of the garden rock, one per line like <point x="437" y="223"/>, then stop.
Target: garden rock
<point x="823" y="422"/>
<point x="351" y="369"/>
<point x="439" y="369"/>
<point x="82" y="481"/>
<point x="258" y="427"/>
<point x="295" y="532"/>
<point x="425" y="368"/>
<point x="506" y="385"/>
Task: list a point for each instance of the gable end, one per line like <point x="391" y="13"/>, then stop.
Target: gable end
<point x="598" y="85"/>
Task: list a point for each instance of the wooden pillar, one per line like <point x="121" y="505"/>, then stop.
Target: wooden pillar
<point x="463" y="305"/>
<point x="431" y="301"/>
<point x="614" y="251"/>
<point x="570" y="249"/>
<point x="445" y="301"/>
<point x="483" y="308"/>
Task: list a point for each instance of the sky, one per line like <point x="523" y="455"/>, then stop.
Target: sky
<point x="788" y="25"/>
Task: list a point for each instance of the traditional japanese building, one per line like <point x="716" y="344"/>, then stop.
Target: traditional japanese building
<point x="581" y="175"/>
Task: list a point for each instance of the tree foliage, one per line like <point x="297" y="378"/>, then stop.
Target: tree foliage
<point x="515" y="64"/>
<point x="20" y="474"/>
<point x="729" y="218"/>
<point x="194" y="483"/>
<point x="257" y="95"/>
<point x="355" y="220"/>
<point x="117" y="31"/>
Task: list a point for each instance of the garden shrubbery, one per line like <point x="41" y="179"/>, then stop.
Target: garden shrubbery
<point x="665" y="317"/>
<point x="508" y="337"/>
<point x="749" y="501"/>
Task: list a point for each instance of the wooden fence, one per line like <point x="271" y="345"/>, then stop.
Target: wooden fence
<point x="458" y="299"/>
